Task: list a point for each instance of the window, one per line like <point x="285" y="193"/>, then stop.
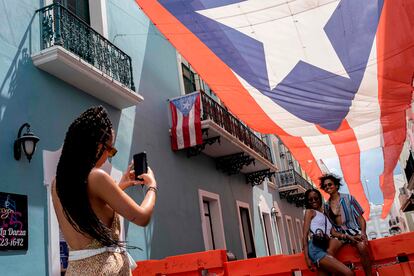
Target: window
<point x="209" y="225"/>
<point x="276" y="152"/>
<point x="291" y="233"/>
<point x="281" y="246"/>
<point x="189" y="79"/>
<point x="246" y="231"/>
<point x="300" y="233"/>
<point x="78" y="7"/>
<point x="211" y="221"/>
<point x="268" y="234"/>
<point x="93" y="12"/>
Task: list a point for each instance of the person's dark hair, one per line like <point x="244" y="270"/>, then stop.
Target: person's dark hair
<point x="307" y="204"/>
<point x="335" y="179"/>
<point x="80" y="153"/>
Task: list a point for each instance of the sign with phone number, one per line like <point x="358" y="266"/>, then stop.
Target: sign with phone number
<point x="13" y="222"/>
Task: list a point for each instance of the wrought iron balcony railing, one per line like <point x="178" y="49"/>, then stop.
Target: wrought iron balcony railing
<point x="60" y="26"/>
<point x="290" y="178"/>
<point x="218" y="114"/>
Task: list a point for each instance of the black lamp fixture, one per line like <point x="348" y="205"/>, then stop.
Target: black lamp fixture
<point x="27" y="141"/>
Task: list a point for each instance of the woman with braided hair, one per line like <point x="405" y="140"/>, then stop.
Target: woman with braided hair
<point x="87" y="200"/>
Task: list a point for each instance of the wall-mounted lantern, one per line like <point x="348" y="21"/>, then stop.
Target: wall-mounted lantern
<point x="273" y="211"/>
<point x="27" y="141"/>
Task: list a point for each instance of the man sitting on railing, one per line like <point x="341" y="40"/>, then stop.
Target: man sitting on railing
<point x="345" y="214"/>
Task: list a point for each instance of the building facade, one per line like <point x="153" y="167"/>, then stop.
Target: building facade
<point x="56" y="61"/>
<point x="405" y="191"/>
<point x="393" y="224"/>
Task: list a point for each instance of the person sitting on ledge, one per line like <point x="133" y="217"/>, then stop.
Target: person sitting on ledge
<point x="345" y="214"/>
<point x="317" y="233"/>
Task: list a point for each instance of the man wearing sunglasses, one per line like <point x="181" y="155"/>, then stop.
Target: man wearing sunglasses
<point x="345" y="214"/>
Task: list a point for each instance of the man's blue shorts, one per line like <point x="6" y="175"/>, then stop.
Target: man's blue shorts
<point x="315" y="253"/>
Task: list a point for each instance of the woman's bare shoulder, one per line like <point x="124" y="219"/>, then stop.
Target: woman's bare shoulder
<point x="100" y="177"/>
<point x="98" y="172"/>
<point x="100" y="183"/>
<point x="310" y="212"/>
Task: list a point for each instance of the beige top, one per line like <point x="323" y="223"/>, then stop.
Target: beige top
<point x="106" y="263"/>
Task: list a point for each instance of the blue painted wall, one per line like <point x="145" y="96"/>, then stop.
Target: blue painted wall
<point x="28" y="94"/>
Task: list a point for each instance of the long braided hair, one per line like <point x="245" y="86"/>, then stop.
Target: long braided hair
<point x="79" y="156"/>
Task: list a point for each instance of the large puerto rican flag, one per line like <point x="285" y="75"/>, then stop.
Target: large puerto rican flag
<point x="331" y="78"/>
<point x="186" y="121"/>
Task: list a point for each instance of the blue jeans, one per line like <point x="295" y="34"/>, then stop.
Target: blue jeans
<point x="315" y="253"/>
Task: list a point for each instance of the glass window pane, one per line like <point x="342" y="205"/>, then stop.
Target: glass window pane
<point x="209" y="234"/>
<point x="247" y="233"/>
<point x="188" y="78"/>
<point x="78" y="7"/>
<point x="82" y="10"/>
<point x="206" y="208"/>
<point x="267" y="230"/>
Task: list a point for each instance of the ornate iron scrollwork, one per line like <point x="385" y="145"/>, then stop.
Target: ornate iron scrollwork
<point x="62" y="27"/>
<point x="217" y="113"/>
<point x="256" y="178"/>
<point x="196" y="150"/>
<point x="293" y="196"/>
<point x="232" y="164"/>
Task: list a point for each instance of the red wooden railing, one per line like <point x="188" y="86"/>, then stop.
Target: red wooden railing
<point x="393" y="256"/>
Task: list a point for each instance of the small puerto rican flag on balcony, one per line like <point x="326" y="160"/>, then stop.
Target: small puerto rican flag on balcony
<point x="186" y="124"/>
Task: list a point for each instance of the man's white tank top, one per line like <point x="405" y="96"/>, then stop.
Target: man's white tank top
<point x="318" y="222"/>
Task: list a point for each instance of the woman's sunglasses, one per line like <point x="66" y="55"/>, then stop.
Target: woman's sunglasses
<point x="111" y="150"/>
<point x="313" y="199"/>
<point x="108" y="147"/>
<point x="329" y="184"/>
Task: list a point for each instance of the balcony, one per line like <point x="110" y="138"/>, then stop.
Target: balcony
<point x="292" y="186"/>
<point x="234" y="146"/>
<point x="407" y="202"/>
<point x="75" y="53"/>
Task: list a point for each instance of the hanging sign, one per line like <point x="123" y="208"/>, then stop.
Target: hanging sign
<point x="13" y="222"/>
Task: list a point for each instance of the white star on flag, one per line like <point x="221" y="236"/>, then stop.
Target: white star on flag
<point x="186" y="105"/>
<point x="289" y="37"/>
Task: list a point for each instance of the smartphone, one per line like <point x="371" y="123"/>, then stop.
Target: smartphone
<point x="140" y="164"/>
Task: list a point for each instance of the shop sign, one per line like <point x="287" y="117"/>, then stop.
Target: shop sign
<point x="13" y="222"/>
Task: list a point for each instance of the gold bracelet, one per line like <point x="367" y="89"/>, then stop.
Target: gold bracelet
<point x="152" y="188"/>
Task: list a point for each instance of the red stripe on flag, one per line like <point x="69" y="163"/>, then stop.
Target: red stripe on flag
<point x="223" y="81"/>
<point x="197" y="120"/>
<point x="349" y="155"/>
<point x="304" y="156"/>
<point x="173" y="127"/>
<point x="395" y="52"/>
<point x="186" y="131"/>
<point x="214" y="71"/>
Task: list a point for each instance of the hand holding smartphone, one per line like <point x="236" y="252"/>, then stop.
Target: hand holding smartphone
<point x="140" y="164"/>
